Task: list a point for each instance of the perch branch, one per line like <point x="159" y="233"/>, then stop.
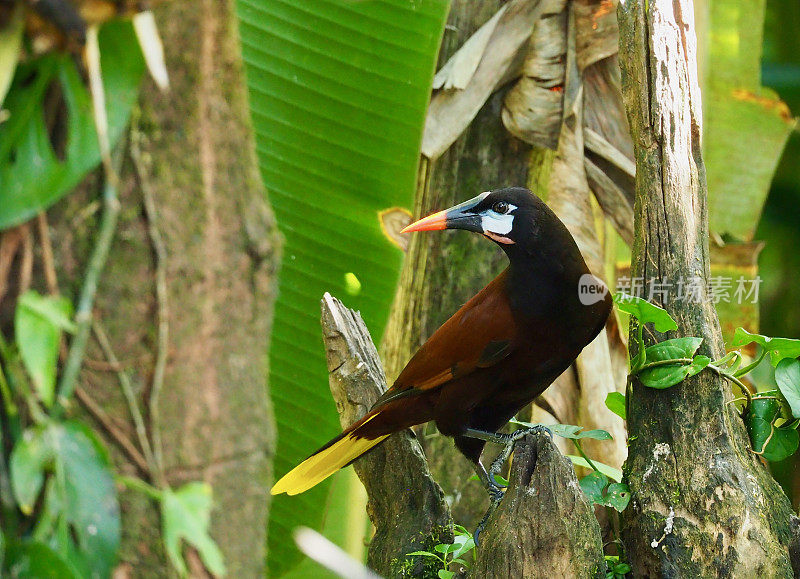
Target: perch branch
<point x="544" y="527"/>
<point x="406" y="505"/>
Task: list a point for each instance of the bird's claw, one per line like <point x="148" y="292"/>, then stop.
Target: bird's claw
<point x="535" y="429"/>
<point x="493" y="504"/>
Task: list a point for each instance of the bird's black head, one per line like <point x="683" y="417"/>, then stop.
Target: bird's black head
<point x="511" y="216"/>
<point x="548" y="271"/>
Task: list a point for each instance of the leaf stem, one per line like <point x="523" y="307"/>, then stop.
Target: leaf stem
<point x="752" y="365"/>
<point x="732" y="377"/>
<point x="585" y="457"/>
<point x="138" y="484"/>
<point x="657" y="363"/>
<point x="83" y="314"/>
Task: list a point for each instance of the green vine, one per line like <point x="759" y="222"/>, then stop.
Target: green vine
<point x="771" y="417"/>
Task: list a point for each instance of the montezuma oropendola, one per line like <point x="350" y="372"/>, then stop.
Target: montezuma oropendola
<point x="498" y="352"/>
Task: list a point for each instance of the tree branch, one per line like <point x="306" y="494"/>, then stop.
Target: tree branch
<point x="406" y="505"/>
<point x="544" y="527"/>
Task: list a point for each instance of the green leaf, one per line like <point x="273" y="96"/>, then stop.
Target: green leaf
<point x="594" y="435"/>
<point x="445" y="574"/>
<point x="609" y="471"/>
<point x="593" y="485"/>
<point x="671" y="374"/>
<point x="615" y="402"/>
<point x="787" y="375"/>
<point x="465" y="544"/>
<point x="24" y="140"/>
<point x="31" y="455"/>
<point x="338" y="92"/>
<point x="37" y="328"/>
<point x="563" y="430"/>
<point x="664" y="376"/>
<point x="674" y="348"/>
<point x="699" y="363"/>
<point x="772" y="442"/>
<point x="617" y="496"/>
<point x="569" y="431"/>
<point x="778" y="348"/>
<point x="35" y="559"/>
<point x="645" y="312"/>
<point x="86" y="493"/>
<point x="55" y="309"/>
<point x="185" y="515"/>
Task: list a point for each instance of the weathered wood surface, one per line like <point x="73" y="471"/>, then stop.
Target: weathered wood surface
<point x="406" y="505"/>
<point x="544" y="527"/>
<point x="702" y="504"/>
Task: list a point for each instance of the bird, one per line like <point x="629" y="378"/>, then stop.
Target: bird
<point x="497" y="353"/>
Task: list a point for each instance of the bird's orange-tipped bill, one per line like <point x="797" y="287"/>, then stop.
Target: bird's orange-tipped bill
<point x="433" y="222"/>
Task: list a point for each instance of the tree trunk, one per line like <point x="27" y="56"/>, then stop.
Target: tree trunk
<point x="702" y="504"/>
<point x="220" y="253"/>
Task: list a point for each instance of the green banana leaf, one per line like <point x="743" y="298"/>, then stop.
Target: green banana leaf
<point x="32" y="175"/>
<point x="338" y="92"/>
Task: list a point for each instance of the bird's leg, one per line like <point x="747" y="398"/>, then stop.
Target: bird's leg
<point x="488" y="478"/>
<point x="493" y="504"/>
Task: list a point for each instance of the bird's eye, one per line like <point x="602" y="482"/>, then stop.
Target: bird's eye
<point x="500" y="207"/>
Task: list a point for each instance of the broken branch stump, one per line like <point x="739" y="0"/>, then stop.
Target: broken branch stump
<point x="544" y="526"/>
<point x="406" y="505"/>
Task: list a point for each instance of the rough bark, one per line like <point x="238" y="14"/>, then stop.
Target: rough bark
<point x="702" y="504"/>
<point x="406" y="506"/>
<point x="544" y="527"/>
<point x="220" y="244"/>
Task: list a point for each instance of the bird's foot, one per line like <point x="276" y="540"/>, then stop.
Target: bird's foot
<point x="494" y="488"/>
<point x="494" y="502"/>
<point x="510" y="441"/>
<point x="495" y="491"/>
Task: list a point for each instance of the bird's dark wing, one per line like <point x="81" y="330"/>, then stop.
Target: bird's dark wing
<point x="478" y="335"/>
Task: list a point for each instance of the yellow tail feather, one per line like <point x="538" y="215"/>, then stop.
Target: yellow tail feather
<point x="323" y="464"/>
